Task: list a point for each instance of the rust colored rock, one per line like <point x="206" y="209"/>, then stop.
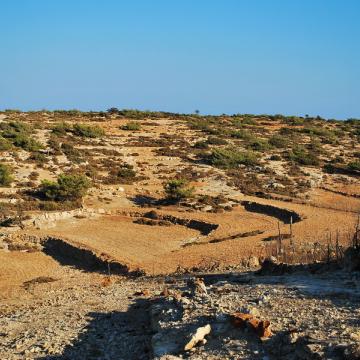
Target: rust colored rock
<point x="240" y="319"/>
<point x="260" y="327"/>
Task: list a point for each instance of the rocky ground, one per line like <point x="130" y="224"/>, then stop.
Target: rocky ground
<point x="261" y="186"/>
<point x="91" y="316"/>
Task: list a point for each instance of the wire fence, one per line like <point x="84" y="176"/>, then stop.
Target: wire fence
<point x="332" y="246"/>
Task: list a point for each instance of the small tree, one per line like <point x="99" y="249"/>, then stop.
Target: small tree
<point x="6" y="177"/>
<point x="178" y="189"/>
<point x="113" y="110"/>
<point x="67" y="187"/>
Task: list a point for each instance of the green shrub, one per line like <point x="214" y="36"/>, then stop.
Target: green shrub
<point x="291" y="120"/>
<point x="4" y="144"/>
<point x="279" y="141"/>
<point x="39" y="157"/>
<point x="213" y="140"/>
<point x="54" y="143"/>
<point x="201" y="124"/>
<point x="275" y="157"/>
<point x="241" y="134"/>
<point x="72" y="112"/>
<point x="330" y="168"/>
<point x="131" y="126"/>
<point x="231" y="158"/>
<point x="259" y="144"/>
<point x="137" y="114"/>
<point x="6" y="176"/>
<point x="178" y="189"/>
<point x="289" y="132"/>
<point x="66" y="188"/>
<point x="113" y="110"/>
<point x="352" y="168"/>
<point x="73" y="155"/>
<point x="315" y="147"/>
<point x="13" y="128"/>
<point x="126" y="171"/>
<point x="354" y="165"/>
<point x="61" y="128"/>
<point x="27" y="143"/>
<point x="88" y="131"/>
<point x="49" y="206"/>
<point x="19" y="134"/>
<point x="249" y="120"/>
<point x="327" y="136"/>
<point x="303" y="157"/>
<point x="201" y="145"/>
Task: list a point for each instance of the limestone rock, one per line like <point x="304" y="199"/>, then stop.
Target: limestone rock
<point x="198" y="336"/>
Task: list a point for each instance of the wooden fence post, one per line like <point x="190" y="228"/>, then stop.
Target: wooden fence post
<point x="279" y="239"/>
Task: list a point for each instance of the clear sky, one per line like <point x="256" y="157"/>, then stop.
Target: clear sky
<point x="293" y="57"/>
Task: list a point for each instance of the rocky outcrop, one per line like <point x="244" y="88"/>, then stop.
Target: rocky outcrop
<point x="48" y="219"/>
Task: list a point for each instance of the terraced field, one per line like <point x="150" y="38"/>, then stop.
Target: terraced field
<point x="249" y="182"/>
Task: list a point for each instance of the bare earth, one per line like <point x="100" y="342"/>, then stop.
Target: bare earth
<point x="61" y="259"/>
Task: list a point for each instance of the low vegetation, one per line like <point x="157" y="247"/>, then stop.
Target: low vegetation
<point x="73" y="154"/>
<point x="300" y="155"/>
<point x="131" y="126"/>
<point x="258" y="144"/>
<point x="87" y="131"/>
<point x="178" y="189"/>
<point x="66" y="188"/>
<point x="61" y="128"/>
<point x="258" y="154"/>
<point x="19" y="134"/>
<point x="6" y="176"/>
<point x="213" y="140"/>
<point x="354" y="165"/>
<point x="279" y="141"/>
<point x="230" y="158"/>
<point x="126" y="171"/>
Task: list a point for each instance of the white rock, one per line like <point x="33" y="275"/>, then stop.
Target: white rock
<point x="199" y="336"/>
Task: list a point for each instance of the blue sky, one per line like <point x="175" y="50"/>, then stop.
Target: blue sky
<point x="292" y="57"/>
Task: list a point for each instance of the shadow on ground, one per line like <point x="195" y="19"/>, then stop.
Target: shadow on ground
<point x="114" y="335"/>
<point x="83" y="259"/>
